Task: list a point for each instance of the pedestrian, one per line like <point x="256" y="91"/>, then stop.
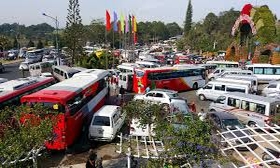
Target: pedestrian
<point x="122" y="91"/>
<point x="202" y="115"/>
<point x="147" y="89"/>
<point x="91" y="160"/>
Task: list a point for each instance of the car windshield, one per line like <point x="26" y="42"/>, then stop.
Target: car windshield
<point x="173" y="95"/>
<point x="72" y="73"/>
<point x="101" y="121"/>
<point x="231" y="123"/>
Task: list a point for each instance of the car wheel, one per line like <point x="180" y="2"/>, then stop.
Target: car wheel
<point x="211" y="79"/>
<point x="201" y="97"/>
<point x="252" y="124"/>
<point x="195" y="86"/>
<point x="212" y="110"/>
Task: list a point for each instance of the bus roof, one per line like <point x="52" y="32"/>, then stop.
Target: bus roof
<point x="66" y="89"/>
<point x="66" y="68"/>
<point x="221" y="62"/>
<point x="166" y="68"/>
<point x="253" y="97"/>
<point x="20" y="83"/>
<point x="262" y="65"/>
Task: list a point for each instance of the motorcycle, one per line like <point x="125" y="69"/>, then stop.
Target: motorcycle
<point x="266" y="156"/>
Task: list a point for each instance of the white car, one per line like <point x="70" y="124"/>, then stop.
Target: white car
<point x="271" y="89"/>
<point x="158" y="96"/>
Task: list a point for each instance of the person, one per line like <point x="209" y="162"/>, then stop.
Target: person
<point x="122" y="91"/>
<point x="202" y="115"/>
<point x="91" y="161"/>
<point x="147" y="89"/>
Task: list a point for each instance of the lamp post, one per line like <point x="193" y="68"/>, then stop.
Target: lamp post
<point x="56" y="27"/>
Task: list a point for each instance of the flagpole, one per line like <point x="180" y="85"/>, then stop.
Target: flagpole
<point x="106" y="52"/>
<point x="113" y="48"/>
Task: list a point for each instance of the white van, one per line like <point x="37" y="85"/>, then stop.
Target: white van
<point x="126" y="68"/>
<point x="126" y="81"/>
<point x="251" y="78"/>
<point x="63" y="72"/>
<point x="220" y="72"/>
<point x="251" y="109"/>
<point x="147" y="64"/>
<point x="2" y="80"/>
<point x="213" y="89"/>
<point x="106" y="123"/>
<point x="39" y="68"/>
<point x="241" y="81"/>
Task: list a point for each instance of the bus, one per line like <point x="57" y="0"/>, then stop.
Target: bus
<point x="174" y="78"/>
<point x="75" y="100"/>
<point x="182" y="59"/>
<point x="265" y="72"/>
<point x="11" y="91"/>
<point x="224" y="64"/>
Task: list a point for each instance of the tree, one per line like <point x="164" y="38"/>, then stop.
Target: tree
<point x="173" y="29"/>
<point x="30" y="44"/>
<point x="188" y="20"/>
<point x="74" y="30"/>
<point x="4" y="43"/>
<point x="99" y="62"/>
<point x="23" y="129"/>
<point x="40" y="44"/>
<point x="183" y="134"/>
<point x="15" y="43"/>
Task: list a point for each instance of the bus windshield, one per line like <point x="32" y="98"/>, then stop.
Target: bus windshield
<point x="55" y="107"/>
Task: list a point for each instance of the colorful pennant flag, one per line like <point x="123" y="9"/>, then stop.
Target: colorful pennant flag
<point x="126" y="25"/>
<point x="108" y="21"/>
<point x="134" y="24"/>
<point x="122" y="24"/>
<point x="115" y="22"/>
<point x="130" y="23"/>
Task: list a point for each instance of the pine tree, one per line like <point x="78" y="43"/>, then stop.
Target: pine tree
<point x="40" y="45"/>
<point x="74" y="30"/>
<point x="188" y="20"/>
<point x="30" y="44"/>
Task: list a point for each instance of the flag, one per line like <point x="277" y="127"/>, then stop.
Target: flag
<point x="130" y="26"/>
<point x="122" y="23"/>
<point x="134" y="24"/>
<point x="126" y="25"/>
<point x="115" y="22"/>
<point x="135" y="39"/>
<point x="108" y="21"/>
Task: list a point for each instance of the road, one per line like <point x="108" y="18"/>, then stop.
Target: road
<point x="12" y="72"/>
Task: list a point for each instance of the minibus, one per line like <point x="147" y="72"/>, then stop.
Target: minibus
<point x="251" y="109"/>
<point x="63" y="72"/>
<point x="213" y="89"/>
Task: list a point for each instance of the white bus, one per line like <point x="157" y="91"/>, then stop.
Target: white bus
<point x="126" y="68"/>
<point x="265" y="72"/>
<point x="147" y="64"/>
<point x="241" y="81"/>
<point x="251" y="78"/>
<point x="251" y="109"/>
<point x="224" y="64"/>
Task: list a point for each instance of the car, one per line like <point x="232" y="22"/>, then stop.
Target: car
<point x="2" y="68"/>
<point x="2" y="80"/>
<point x="24" y="66"/>
<point x="271" y="89"/>
<point x="158" y="96"/>
<point x="224" y="121"/>
<point x="12" y="55"/>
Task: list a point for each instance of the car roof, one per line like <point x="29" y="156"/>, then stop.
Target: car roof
<point x="106" y="110"/>
<point x="224" y="115"/>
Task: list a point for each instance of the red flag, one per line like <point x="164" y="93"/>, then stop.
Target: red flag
<point x="108" y="21"/>
<point x="135" y="39"/>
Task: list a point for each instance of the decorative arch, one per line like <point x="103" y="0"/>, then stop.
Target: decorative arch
<point x="240" y="20"/>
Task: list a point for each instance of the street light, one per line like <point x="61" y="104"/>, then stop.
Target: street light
<point x="56" y="27"/>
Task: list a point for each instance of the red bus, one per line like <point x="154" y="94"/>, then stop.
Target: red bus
<point x="75" y="99"/>
<point x="182" y="59"/>
<point x="174" y="78"/>
<point x="11" y="91"/>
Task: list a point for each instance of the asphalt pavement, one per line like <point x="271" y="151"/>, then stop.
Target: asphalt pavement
<point x="12" y="71"/>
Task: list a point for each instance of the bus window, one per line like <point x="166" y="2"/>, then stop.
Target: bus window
<point x="233" y="102"/>
<point x="268" y="71"/>
<point x="258" y="70"/>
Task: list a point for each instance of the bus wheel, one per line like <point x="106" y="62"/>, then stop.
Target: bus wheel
<point x="195" y="86"/>
<point x="251" y="124"/>
<point x="201" y="97"/>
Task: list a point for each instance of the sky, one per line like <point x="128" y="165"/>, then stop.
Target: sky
<point x="29" y="12"/>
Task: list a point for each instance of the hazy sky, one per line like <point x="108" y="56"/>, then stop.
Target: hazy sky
<point x="30" y="11"/>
